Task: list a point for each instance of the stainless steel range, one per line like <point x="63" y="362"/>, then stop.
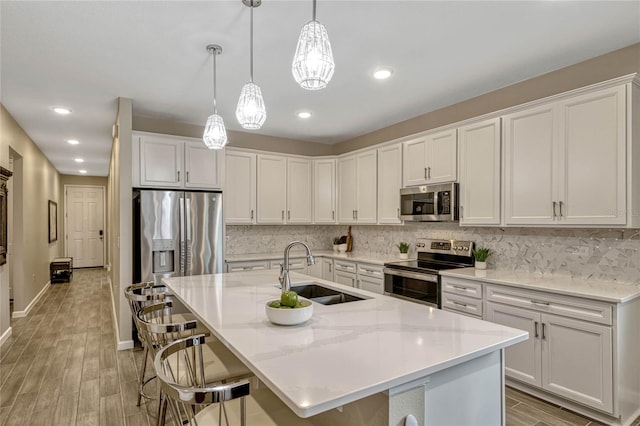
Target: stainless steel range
<point x="419" y="280"/>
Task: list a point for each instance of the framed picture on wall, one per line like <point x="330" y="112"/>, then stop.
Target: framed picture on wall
<point x="53" y="221"/>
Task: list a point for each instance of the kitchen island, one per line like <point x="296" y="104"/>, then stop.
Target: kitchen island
<point x="381" y="356"/>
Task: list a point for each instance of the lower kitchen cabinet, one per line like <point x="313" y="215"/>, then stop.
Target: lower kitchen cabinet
<point x="345" y="272"/>
<point x="248" y="265"/>
<point x="327" y="269"/>
<point x="371" y="278"/>
<point x="571" y="358"/>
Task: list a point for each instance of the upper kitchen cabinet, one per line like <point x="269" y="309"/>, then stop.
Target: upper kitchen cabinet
<point x="430" y="159"/>
<point x="479" y="156"/>
<point x="357" y="188"/>
<point x="283" y="190"/>
<point x="240" y="188"/>
<point x="324" y="191"/>
<point x="389" y="183"/>
<point x="164" y="161"/>
<point x="565" y="162"/>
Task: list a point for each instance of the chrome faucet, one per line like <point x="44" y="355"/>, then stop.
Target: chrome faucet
<point x="285" y="282"/>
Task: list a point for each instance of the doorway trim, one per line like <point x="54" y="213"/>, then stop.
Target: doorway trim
<point x="104" y="219"/>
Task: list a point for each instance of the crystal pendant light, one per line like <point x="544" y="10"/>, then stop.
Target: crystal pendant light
<point x="251" y="112"/>
<point x="313" y="64"/>
<point x="215" y="135"/>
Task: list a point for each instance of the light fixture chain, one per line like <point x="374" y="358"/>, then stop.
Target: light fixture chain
<point x="215" y="104"/>
<point x="251" y="48"/>
<point x="314" y="10"/>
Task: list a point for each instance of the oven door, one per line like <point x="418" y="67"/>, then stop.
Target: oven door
<point x="413" y="286"/>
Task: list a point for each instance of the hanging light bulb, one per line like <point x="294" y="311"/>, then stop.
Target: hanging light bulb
<point x="251" y="112"/>
<point x="215" y="134"/>
<point x="313" y="64"/>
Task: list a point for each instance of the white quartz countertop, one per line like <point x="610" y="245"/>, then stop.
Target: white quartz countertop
<point x="345" y="352"/>
<point x="592" y="288"/>
<point x="373" y="258"/>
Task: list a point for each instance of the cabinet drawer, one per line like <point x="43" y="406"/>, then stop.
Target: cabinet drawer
<point x="573" y="307"/>
<point x="368" y="270"/>
<point x="294" y="264"/>
<point x="253" y="265"/>
<point x="346" y="266"/>
<point x="464" y="287"/>
<point x="463" y="304"/>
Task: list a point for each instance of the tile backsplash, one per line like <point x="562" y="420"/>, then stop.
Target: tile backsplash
<point x="603" y="253"/>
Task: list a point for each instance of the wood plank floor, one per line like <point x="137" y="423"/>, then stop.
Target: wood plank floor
<point x="60" y="367"/>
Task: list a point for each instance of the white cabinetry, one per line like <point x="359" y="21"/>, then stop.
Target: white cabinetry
<point x="370" y="278"/>
<point x="389" y="184"/>
<point x="565" y="354"/>
<point x="164" y="161"/>
<point x="479" y="154"/>
<point x="298" y="190"/>
<point x="565" y="162"/>
<point x="272" y="189"/>
<point x="430" y="159"/>
<point x="357" y="183"/>
<point x="345" y="272"/>
<point x="240" y="188"/>
<point x="462" y="296"/>
<point x="295" y="264"/>
<point x="324" y="191"/>
<point x="327" y="269"/>
<point x="248" y="265"/>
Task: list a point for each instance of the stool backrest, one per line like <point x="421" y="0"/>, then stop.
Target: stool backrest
<point x="158" y="327"/>
<point x="143" y="294"/>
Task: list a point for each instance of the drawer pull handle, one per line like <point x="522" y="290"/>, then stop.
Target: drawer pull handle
<point x="459" y="304"/>
<point x="457" y="287"/>
<point x="543" y="336"/>
<point x="536" y="329"/>
<point x="540" y="302"/>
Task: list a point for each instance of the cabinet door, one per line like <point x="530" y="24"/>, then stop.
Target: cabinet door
<point x="442" y="157"/>
<point x="240" y="188"/>
<point x="479" y="150"/>
<point x="577" y="361"/>
<point x="592" y="158"/>
<point x="327" y="269"/>
<point x="389" y="184"/>
<point x="315" y="270"/>
<point x="374" y="285"/>
<point x="530" y="165"/>
<point x="324" y="191"/>
<point x="161" y="162"/>
<point x="414" y="162"/>
<point x="347" y="189"/>
<point x="367" y="175"/>
<point x="250" y="265"/>
<point x="298" y="190"/>
<point x="522" y="360"/>
<point x="345" y="278"/>
<point x="272" y="189"/>
<point x="201" y="166"/>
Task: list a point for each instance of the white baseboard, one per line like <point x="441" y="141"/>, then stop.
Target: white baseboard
<point x="122" y="344"/>
<point x="5" y="336"/>
<point x="22" y="314"/>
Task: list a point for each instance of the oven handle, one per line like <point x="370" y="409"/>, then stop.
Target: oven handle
<point x="416" y="276"/>
<point x="410" y="299"/>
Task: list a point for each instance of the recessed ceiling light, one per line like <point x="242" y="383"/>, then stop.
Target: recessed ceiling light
<point x="382" y="74"/>
<point x="84" y="172"/>
<point x="61" y="110"/>
<point x="78" y="160"/>
<point x="304" y="114"/>
<point x="73" y="142"/>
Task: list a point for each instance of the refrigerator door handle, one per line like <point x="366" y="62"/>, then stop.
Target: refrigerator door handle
<point x="187" y="235"/>
<point x="183" y="244"/>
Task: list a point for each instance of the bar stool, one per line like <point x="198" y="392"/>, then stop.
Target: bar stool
<point x="159" y="328"/>
<point x="193" y="400"/>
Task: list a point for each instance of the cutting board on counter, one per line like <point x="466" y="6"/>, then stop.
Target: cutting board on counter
<point x="349" y="240"/>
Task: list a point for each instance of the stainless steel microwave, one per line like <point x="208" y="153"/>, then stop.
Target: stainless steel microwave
<point x="429" y="203"/>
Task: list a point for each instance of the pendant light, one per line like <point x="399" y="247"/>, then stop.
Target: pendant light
<point x="251" y="112"/>
<point x="313" y="64"/>
<point x="215" y="135"/>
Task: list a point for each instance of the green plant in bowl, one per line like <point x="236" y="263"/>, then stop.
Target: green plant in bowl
<point x="403" y="247"/>
<point x="481" y="254"/>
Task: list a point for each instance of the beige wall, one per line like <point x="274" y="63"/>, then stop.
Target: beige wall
<point x="613" y="64"/>
<point x="119" y="226"/>
<point x="35" y="181"/>
<point x="236" y="139"/>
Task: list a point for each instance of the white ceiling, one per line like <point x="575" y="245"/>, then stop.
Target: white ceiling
<point x="85" y="54"/>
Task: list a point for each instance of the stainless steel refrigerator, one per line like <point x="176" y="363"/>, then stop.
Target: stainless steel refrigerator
<point x="176" y="233"/>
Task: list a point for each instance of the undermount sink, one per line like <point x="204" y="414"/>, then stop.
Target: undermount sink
<point x="324" y="295"/>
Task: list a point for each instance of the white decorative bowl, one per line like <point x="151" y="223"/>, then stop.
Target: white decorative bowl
<point x="342" y="248"/>
<point x="291" y="316"/>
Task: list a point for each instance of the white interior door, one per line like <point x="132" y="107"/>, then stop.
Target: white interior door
<point x="85" y="225"/>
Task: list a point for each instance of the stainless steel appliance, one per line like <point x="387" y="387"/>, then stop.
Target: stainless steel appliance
<point x="419" y="280"/>
<point x="429" y="203"/>
<point x="176" y="233"/>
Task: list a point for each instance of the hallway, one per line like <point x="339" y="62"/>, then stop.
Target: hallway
<point x="60" y="366"/>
